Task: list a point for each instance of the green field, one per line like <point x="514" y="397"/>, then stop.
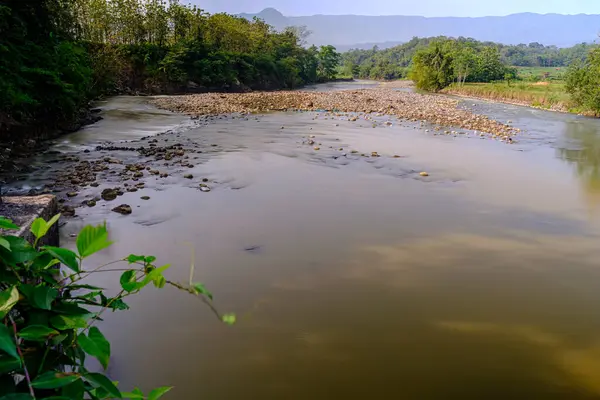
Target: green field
<point x="537" y="74"/>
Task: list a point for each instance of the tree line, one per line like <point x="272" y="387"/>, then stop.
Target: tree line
<point x="394" y="63"/>
<point x="56" y="55"/>
<point x="436" y="63"/>
<point x="446" y="61"/>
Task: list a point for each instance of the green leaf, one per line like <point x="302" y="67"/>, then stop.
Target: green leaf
<point x="7" y="224"/>
<point x="37" y="333"/>
<point x="39" y="296"/>
<point x="135" y="394"/>
<point x="96" y="345"/>
<point x="101" y="381"/>
<point x="199" y="288"/>
<point x="9" y="364"/>
<point x="92" y="239"/>
<point x="117" y="304"/>
<point x="64" y="322"/>
<point x="128" y="281"/>
<point x="229" y="319"/>
<point x="57" y="398"/>
<point x="71" y="308"/>
<point x="43" y="296"/>
<point x="52" y="221"/>
<point x="132" y="258"/>
<point x="17" y="396"/>
<point x="149" y="259"/>
<point x="4" y="243"/>
<point x="154" y="274"/>
<point x="38" y="228"/>
<point x="74" y="390"/>
<point x="58" y="339"/>
<point x="8" y="299"/>
<point x="159" y="392"/>
<point x="160" y="282"/>
<point x="90" y="287"/>
<point x="55" y="379"/>
<point x="21" y="251"/>
<point x="65" y="256"/>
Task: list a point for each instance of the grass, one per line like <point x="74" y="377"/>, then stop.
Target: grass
<point x="536" y="74"/>
<point x="549" y="95"/>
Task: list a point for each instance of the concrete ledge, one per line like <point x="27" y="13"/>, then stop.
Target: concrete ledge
<point x="23" y="210"/>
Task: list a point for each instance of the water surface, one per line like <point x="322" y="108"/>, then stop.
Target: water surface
<point x="353" y="276"/>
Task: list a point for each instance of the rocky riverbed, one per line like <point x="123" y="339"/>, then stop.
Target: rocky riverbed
<point x="98" y="176"/>
<point x="438" y="110"/>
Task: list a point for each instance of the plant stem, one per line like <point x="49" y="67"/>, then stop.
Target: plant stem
<point x="190" y="290"/>
<point x="86" y="272"/>
<point x="43" y="359"/>
<point x="27" y="377"/>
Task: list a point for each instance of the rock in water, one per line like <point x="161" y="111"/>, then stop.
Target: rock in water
<point x="67" y="211"/>
<point x="188" y="176"/>
<point x="109" y="194"/>
<point x="204" y="187"/>
<point x="423" y="173"/>
<point x="145" y="197"/>
<point x="124" y="209"/>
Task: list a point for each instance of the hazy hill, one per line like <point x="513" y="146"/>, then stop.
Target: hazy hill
<point x="349" y="30"/>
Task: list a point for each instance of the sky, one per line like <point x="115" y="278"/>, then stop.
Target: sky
<point x="428" y="8"/>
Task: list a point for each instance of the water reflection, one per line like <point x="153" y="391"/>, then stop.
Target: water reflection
<point x="581" y="148"/>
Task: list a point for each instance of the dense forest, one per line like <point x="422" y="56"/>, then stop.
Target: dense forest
<point x="56" y="55"/>
<point x="393" y="63"/>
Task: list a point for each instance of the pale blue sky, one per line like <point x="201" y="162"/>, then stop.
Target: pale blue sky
<point x="429" y="8"/>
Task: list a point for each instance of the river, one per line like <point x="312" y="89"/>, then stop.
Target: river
<point x="356" y="276"/>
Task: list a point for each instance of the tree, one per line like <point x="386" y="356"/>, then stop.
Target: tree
<point x="329" y="60"/>
<point x="432" y="67"/>
<point x="583" y="82"/>
<point x="489" y="65"/>
<point x="464" y="63"/>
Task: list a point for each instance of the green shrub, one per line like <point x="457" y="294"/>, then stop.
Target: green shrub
<point x="49" y="315"/>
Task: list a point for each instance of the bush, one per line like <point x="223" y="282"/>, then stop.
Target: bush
<point x="583" y="82"/>
<point x="49" y="315"/>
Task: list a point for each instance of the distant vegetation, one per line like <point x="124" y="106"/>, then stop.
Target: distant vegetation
<point x="56" y="55"/>
<point x="541" y="76"/>
<point x="394" y="63"/>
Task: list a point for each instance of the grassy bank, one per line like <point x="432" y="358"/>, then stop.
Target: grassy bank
<point x="547" y="95"/>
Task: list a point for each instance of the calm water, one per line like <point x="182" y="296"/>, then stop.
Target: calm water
<point x="354" y="276"/>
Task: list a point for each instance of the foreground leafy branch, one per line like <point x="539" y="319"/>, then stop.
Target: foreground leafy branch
<point x="48" y="315"/>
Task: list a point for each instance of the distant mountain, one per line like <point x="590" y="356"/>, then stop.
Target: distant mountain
<point x="348" y="30"/>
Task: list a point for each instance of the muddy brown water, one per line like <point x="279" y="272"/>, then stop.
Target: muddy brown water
<point x="355" y="277"/>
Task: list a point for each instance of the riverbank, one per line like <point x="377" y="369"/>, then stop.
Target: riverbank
<point x="542" y="95"/>
<point x="436" y="110"/>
